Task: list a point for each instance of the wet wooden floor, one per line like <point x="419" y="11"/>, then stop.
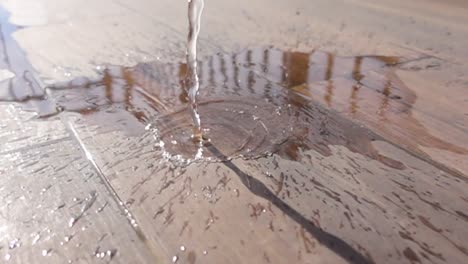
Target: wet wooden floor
<point x="381" y="178"/>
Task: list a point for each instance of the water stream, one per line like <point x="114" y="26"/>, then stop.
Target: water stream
<point x="192" y="83"/>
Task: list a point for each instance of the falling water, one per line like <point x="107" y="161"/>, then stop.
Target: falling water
<point x="192" y="83"/>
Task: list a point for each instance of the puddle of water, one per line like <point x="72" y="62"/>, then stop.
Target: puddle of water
<point x="18" y="82"/>
<point x="253" y="103"/>
<point x="246" y="110"/>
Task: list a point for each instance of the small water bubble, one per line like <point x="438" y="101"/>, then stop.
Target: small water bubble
<point x="60" y="108"/>
<point x="182" y="248"/>
<point x="111" y="253"/>
<point x="205" y="252"/>
<point x="7" y="257"/>
<point x="14" y="243"/>
<point x="98" y="254"/>
<point x="71" y="222"/>
<point x="46" y="252"/>
<point x="160" y="144"/>
<point x="174" y="259"/>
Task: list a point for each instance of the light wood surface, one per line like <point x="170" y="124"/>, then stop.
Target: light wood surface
<point x="334" y="205"/>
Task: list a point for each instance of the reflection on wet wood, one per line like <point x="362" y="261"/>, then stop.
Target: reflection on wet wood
<point x="364" y="89"/>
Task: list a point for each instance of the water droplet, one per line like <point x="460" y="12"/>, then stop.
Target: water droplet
<point x="205" y="252"/>
<point x="174" y="259"/>
<point x="7" y="257"/>
<point x="46" y="252"/>
<point x="14" y="243"/>
<point x="111" y="253"/>
<point x="182" y="248"/>
<point x="36" y="239"/>
<point x="72" y="222"/>
<point x="60" y="108"/>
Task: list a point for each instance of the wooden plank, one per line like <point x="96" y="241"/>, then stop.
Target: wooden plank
<point x="355" y="201"/>
<point x="20" y="129"/>
<point x="203" y="208"/>
<point x="373" y="212"/>
<point x="317" y="206"/>
<point x="56" y="209"/>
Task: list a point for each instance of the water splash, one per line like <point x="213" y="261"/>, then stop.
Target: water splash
<point x="89" y="201"/>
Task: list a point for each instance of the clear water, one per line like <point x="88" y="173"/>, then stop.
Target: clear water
<point x="253" y="103"/>
<point x="192" y="83"/>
